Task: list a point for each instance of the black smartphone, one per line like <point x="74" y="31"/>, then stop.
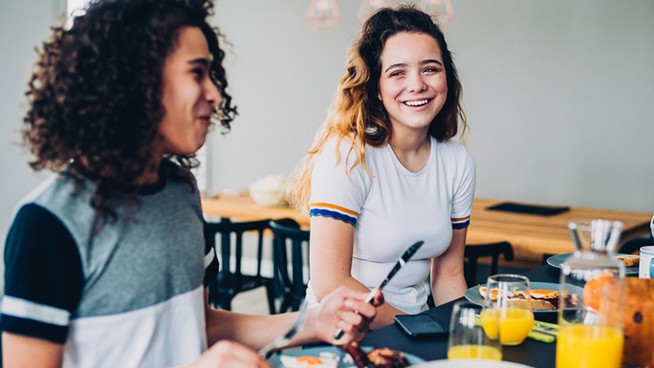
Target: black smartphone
<point x="420" y="325"/>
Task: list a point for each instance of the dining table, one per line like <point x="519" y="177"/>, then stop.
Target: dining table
<point x="530" y="352"/>
<point x="532" y="236"/>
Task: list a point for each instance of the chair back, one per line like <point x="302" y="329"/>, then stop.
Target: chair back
<point x="231" y="279"/>
<point x="291" y="249"/>
<point x="475" y="251"/>
<point x="634" y="245"/>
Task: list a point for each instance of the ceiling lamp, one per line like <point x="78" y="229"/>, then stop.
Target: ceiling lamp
<point x="442" y="14"/>
<point x="323" y="15"/>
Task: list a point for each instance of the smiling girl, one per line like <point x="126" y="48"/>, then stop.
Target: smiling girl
<point x="384" y="171"/>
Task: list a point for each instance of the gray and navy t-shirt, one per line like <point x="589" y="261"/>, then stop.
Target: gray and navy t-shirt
<point x="132" y="295"/>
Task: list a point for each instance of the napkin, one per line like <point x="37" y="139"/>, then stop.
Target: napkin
<point x="528" y="209"/>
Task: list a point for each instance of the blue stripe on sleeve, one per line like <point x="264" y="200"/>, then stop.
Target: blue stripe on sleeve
<point x="460" y="225"/>
<point x="333" y="214"/>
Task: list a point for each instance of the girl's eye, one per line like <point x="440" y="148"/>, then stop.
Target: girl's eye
<point x="198" y="73"/>
<point x="397" y="73"/>
<point x="431" y="69"/>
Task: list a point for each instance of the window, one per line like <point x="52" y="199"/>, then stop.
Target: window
<point x="73" y="8"/>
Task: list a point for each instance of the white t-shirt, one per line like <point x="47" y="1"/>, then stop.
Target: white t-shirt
<point x="392" y="208"/>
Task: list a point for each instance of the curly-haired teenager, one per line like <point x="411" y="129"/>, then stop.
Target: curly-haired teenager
<point x="106" y="262"/>
<point x="384" y="171"/>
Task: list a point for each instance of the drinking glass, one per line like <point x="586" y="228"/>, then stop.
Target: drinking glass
<point x="586" y="337"/>
<point x="468" y="339"/>
<point x="509" y="313"/>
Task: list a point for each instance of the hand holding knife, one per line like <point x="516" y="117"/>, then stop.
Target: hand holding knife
<point x="406" y="256"/>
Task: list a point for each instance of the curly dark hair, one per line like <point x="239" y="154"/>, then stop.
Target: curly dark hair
<point x="95" y="95"/>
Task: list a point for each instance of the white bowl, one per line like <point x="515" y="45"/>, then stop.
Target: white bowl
<point x="270" y="191"/>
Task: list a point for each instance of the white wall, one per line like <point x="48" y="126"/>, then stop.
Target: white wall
<point x="558" y="93"/>
<point x="23" y="25"/>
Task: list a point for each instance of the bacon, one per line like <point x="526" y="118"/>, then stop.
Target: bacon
<point x="376" y="358"/>
<point x="359" y="356"/>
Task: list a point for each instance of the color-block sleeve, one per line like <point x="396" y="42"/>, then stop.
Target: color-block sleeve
<point x="464" y="191"/>
<point x="43" y="276"/>
<point x="211" y="265"/>
<point x="334" y="193"/>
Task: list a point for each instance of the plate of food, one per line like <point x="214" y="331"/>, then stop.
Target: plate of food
<point x="328" y="356"/>
<point x="630" y="261"/>
<point x="466" y="363"/>
<point x="544" y="296"/>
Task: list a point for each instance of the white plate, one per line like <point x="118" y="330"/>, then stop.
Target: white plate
<point x="557" y="260"/>
<point x="316" y="350"/>
<point x="473" y="295"/>
<point x="467" y="363"/>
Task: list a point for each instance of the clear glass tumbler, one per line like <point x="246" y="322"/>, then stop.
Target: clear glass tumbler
<point x="585" y="338"/>
<point x="468" y="339"/>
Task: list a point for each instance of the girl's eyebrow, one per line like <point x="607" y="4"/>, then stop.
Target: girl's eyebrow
<point x="202" y="61"/>
<point x="428" y="61"/>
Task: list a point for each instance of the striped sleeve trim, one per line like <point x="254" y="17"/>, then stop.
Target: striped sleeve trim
<point x="209" y="257"/>
<point x="333" y="211"/>
<point x="211" y="266"/>
<point x="22" y="308"/>
<point x="460" y="223"/>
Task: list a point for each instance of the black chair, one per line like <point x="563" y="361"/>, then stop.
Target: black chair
<point x="475" y="251"/>
<point x="291" y="285"/>
<point x="633" y="245"/>
<point x="231" y="280"/>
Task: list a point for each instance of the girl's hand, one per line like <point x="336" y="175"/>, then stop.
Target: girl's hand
<point x="227" y="353"/>
<point x="345" y="309"/>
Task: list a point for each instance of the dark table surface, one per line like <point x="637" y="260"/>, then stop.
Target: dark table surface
<point x="530" y="352"/>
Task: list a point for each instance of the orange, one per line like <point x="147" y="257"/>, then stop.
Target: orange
<point x="593" y="290"/>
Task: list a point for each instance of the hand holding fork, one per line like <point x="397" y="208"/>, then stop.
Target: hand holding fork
<point x="283" y="341"/>
<point x="336" y="308"/>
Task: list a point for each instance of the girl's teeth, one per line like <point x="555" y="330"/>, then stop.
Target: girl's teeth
<point x="416" y="103"/>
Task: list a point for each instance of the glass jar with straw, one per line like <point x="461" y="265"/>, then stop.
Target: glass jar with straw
<point x="586" y="337"/>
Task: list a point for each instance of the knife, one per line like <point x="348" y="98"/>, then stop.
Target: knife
<point x="406" y="256"/>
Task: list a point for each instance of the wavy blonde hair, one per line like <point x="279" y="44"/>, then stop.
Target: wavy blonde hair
<point x="356" y="117"/>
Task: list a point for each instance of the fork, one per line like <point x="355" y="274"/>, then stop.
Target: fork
<point x="546" y="328"/>
<point x="283" y="341"/>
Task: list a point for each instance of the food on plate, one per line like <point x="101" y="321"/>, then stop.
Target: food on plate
<point x="483" y="290"/>
<point x="376" y="358"/>
<point x="325" y="360"/>
<point x="539" y="304"/>
<point x="541" y="299"/>
<point x="629" y="260"/>
<point x="544" y="294"/>
<point x="385" y="357"/>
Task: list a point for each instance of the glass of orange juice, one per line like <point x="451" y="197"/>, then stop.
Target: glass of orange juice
<point x="508" y="312"/>
<point x="591" y="327"/>
<point x="468" y="340"/>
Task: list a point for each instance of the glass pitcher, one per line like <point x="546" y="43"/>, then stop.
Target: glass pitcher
<point x="586" y="337"/>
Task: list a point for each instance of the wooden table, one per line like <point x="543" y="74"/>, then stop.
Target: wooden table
<point x="244" y="208"/>
<point x="530" y="235"/>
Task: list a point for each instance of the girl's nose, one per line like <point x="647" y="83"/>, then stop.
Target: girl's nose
<point x="212" y="94"/>
<point x="415" y="82"/>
